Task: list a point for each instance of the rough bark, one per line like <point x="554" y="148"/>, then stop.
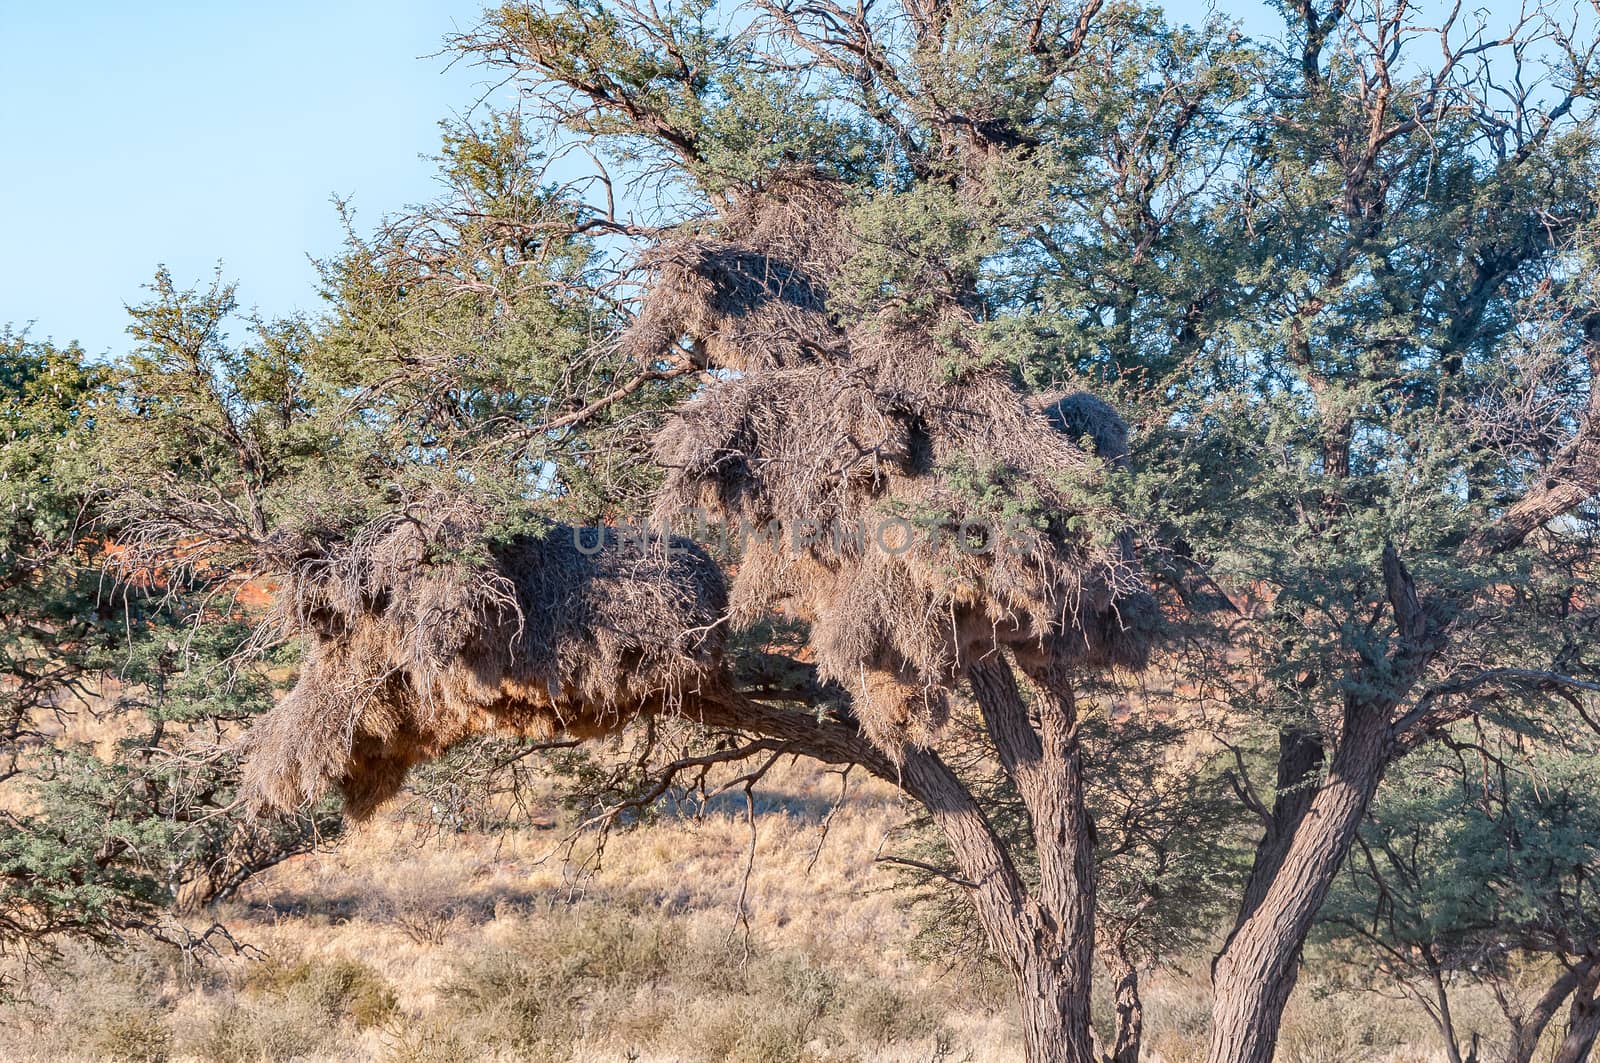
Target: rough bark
<point x="1130" y="1008"/>
<point x="1046" y="949"/>
<point x="1583" y="1022"/>
<point x="1258" y="966"/>
<point x="1300" y="756"/>
<point x="1052" y="987"/>
<point x="1046" y="765"/>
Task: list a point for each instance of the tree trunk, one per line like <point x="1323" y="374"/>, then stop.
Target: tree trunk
<point x="1583" y="1023"/>
<point x="1130" y="1009"/>
<point x="1442" y="1016"/>
<point x="1046" y="764"/>
<point x="1526" y="1030"/>
<point x="1052" y="993"/>
<point x="1055" y="1025"/>
<point x="1300" y="757"/>
<point x="1258" y="966"/>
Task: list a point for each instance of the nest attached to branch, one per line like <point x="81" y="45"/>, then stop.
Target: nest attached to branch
<point x="888" y="485"/>
<point x="755" y="295"/>
<point x="419" y="635"/>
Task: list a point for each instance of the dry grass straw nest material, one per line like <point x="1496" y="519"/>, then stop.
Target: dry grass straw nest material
<point x="421" y="631"/>
<point x="890" y="485"/>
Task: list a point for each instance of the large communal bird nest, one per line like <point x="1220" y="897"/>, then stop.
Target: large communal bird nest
<point x="888" y="484"/>
<point x="421" y="632"/>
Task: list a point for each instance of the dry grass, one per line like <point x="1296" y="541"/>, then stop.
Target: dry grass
<point x="647" y="956"/>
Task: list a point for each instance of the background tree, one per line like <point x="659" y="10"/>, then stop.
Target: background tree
<point x="114" y="704"/>
<point x="49" y="601"/>
<point x="1477" y="864"/>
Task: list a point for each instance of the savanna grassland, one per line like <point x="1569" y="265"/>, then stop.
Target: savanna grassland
<point x="412" y="940"/>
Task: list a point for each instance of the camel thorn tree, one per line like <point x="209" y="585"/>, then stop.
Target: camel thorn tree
<point x="868" y="268"/>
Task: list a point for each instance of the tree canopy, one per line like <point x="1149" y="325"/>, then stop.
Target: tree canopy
<point x="800" y="262"/>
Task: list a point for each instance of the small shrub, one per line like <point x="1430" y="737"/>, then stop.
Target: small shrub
<point x="355" y="991"/>
<point x="280" y="1030"/>
<point x="580" y="968"/>
<point x="509" y="1000"/>
<point x="774" y="1038"/>
<point x="744" y="1030"/>
<point x="424" y="912"/>
<point x="612" y="949"/>
<point x="92" y="1003"/>
<point x="131" y="1035"/>
<point x="713" y="962"/>
<point x="1331" y="1027"/>
<point x="425" y="925"/>
<point x="805" y="989"/>
<point x="876" y="1014"/>
<point x="339" y="989"/>
<point x="430" y="1040"/>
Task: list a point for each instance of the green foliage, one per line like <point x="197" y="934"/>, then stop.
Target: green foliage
<point x="1171" y="839"/>
<point x="115" y="838"/>
<point x="672" y="84"/>
<point x="49" y="617"/>
<point x="1477" y="866"/>
<point x="1469" y="862"/>
<point x="104" y="837"/>
<point x="60" y="867"/>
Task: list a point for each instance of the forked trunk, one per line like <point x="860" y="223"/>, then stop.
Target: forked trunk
<point x="1130" y="1010"/>
<point x="1583" y="1023"/>
<point x="1577" y="983"/>
<point x="1257" y="968"/>
<point x="1045" y="762"/>
<point x="1046" y="963"/>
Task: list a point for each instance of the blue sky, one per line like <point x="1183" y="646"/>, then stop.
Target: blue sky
<point x="189" y="133"/>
